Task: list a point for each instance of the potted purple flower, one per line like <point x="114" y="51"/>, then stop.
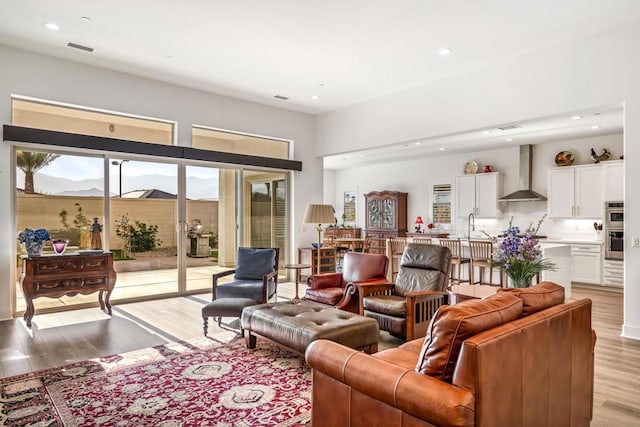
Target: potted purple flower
<point x="32" y="240"/>
<point x="519" y="255"/>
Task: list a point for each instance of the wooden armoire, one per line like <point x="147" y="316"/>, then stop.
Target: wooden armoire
<point x="385" y="217"/>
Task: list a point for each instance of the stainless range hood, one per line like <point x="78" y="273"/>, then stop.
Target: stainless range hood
<point x="526" y="183"/>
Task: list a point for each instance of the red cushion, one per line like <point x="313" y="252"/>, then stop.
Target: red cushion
<point x="452" y="324"/>
<point x="329" y="296"/>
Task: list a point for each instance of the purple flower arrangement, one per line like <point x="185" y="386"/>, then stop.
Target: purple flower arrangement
<point x="30" y="235"/>
<point x="519" y="255"/>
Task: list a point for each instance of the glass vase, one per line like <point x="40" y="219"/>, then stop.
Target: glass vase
<point x="59" y="245"/>
<point x="521" y="281"/>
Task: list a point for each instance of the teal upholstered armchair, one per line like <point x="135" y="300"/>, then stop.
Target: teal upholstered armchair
<point x="255" y="276"/>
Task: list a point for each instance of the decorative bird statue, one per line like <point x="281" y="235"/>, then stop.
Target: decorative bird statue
<point x="597" y="158"/>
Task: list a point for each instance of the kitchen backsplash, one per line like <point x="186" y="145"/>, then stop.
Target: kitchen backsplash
<point x="573" y="229"/>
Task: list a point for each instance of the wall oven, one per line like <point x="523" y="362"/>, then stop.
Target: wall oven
<point x="614" y="230"/>
<point x="614" y="214"/>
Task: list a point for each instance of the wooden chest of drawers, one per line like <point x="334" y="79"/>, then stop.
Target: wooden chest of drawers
<point x="54" y="276"/>
<point x="310" y="256"/>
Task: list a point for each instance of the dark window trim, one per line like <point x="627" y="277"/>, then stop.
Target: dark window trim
<point x="65" y="139"/>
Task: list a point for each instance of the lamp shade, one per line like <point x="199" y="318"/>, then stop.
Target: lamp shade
<point x="319" y="214"/>
<point x="419" y="220"/>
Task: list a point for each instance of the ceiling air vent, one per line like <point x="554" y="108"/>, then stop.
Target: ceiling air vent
<point x="79" y="46"/>
<point x="509" y="127"/>
<point x="284" y="98"/>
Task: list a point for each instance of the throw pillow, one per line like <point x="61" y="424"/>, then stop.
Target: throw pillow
<point x="538" y="297"/>
<point x="452" y="324"/>
<point x="254" y="263"/>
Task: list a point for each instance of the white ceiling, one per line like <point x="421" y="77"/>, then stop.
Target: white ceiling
<point x="572" y="125"/>
<point x="345" y="52"/>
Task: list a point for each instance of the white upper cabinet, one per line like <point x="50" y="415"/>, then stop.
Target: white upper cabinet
<point x="560" y="192"/>
<point x="613" y="179"/>
<point x="477" y="194"/>
<point x="575" y="192"/>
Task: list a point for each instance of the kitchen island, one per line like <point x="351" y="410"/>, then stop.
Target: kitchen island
<point x="556" y="252"/>
<point x="560" y="255"/>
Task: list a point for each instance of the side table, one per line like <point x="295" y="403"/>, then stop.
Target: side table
<point x="297" y="268"/>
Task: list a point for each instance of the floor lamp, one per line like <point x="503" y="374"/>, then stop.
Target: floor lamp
<point x="319" y="214"/>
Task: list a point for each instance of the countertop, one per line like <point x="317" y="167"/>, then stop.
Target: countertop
<point x="573" y="241"/>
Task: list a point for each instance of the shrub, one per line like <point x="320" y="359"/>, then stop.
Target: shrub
<point x="123" y="230"/>
<point x="144" y="238"/>
<point x="213" y="240"/>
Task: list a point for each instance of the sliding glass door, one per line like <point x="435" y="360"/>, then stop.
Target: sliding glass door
<point x="143" y="229"/>
<point x="61" y="193"/>
<point x="203" y="208"/>
<point x="267" y="195"/>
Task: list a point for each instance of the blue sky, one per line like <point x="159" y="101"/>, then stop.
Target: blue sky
<point x="79" y="168"/>
<point x="135" y="175"/>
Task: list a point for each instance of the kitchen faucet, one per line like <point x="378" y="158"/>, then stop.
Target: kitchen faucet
<point x="471" y="226"/>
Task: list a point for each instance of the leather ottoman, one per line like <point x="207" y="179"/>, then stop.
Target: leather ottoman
<point x="296" y="325"/>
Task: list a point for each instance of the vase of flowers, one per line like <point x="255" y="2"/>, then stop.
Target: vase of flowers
<point x="33" y="240"/>
<point x="519" y="255"/>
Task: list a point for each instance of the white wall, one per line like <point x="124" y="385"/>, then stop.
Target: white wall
<point x="580" y="74"/>
<point x="39" y="76"/>
<point x="415" y="176"/>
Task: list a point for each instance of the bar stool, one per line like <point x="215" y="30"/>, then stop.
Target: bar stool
<point x="456" y="259"/>
<point x="423" y="240"/>
<point x="395" y="249"/>
<point x="481" y="255"/>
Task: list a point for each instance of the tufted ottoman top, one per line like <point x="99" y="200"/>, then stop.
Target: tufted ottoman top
<point x="296" y="325"/>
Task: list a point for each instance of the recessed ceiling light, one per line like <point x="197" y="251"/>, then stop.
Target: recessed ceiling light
<point x="52" y="26"/>
<point x="576" y="117"/>
<point x="486" y="132"/>
<point x="442" y="149"/>
<point x="418" y="143"/>
<point x="361" y="155"/>
<point x="596" y="127"/>
<point x="315" y="97"/>
<point x="445" y="51"/>
<point x="509" y="139"/>
<point x="85" y="19"/>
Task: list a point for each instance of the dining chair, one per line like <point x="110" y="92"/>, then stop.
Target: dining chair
<point x="395" y="249"/>
<point x="343" y="247"/>
<point x="481" y="256"/>
<point x="457" y="260"/>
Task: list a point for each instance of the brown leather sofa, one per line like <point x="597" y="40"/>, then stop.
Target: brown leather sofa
<point x="337" y="289"/>
<point x="517" y="358"/>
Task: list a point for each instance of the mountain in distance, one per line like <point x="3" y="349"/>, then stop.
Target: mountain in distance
<point x="197" y="188"/>
<point x="83" y="193"/>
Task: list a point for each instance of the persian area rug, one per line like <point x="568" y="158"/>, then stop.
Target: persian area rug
<point x="211" y="382"/>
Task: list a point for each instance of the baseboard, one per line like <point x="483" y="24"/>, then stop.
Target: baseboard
<point x="5" y="315"/>
<point x="632" y="332"/>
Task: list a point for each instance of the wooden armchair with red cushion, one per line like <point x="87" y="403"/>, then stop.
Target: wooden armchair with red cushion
<point x="338" y="289"/>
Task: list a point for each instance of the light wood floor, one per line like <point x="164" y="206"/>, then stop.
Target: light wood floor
<point x="83" y="334"/>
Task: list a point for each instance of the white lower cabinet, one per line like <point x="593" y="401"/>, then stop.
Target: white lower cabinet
<point x="586" y="263"/>
<point x="613" y="273"/>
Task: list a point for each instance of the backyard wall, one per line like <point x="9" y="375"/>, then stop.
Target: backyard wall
<point x="42" y="211"/>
